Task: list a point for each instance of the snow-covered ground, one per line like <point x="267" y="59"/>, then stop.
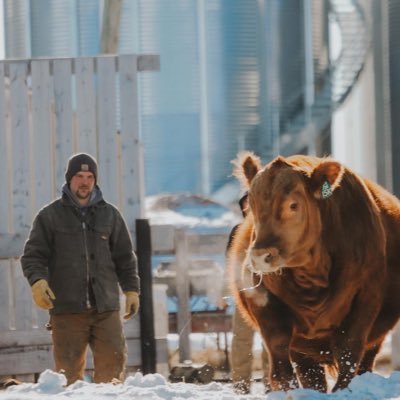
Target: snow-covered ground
<point x="155" y="387"/>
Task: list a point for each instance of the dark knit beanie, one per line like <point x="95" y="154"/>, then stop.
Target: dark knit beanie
<point x="80" y="162"/>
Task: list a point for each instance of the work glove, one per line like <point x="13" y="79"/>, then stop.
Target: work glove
<point x="131" y="304"/>
<point x="42" y="294"/>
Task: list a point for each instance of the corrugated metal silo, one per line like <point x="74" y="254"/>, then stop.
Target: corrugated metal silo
<point x="129" y="27"/>
<point x="394" y="68"/>
<point x="216" y="137"/>
<point x="54" y="28"/>
<point x="17" y="28"/>
<point x="170" y="98"/>
<point x="243" y="58"/>
<point x="89" y="27"/>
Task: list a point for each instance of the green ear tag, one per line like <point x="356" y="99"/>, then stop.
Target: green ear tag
<point x="326" y="190"/>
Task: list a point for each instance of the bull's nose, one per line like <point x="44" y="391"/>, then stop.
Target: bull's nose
<point x="267" y="254"/>
<point x="268" y="257"/>
<point x="263" y="261"/>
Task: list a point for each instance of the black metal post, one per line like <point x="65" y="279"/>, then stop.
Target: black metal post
<point x="143" y="252"/>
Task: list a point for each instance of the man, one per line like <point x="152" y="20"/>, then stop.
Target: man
<point x="78" y="251"/>
<point x="243" y="335"/>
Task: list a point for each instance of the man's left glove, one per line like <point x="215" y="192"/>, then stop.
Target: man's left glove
<point x="131" y="304"/>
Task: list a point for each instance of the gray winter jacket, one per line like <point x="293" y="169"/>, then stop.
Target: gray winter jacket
<point x="83" y="256"/>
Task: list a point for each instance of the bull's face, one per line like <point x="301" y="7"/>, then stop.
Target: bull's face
<point x="286" y="220"/>
<point x="284" y="206"/>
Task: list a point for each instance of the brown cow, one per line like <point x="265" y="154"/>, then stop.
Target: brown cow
<point x="315" y="267"/>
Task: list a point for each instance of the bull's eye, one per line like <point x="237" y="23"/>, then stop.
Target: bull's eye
<point x="294" y="206"/>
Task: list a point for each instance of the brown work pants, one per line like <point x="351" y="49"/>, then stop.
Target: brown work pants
<point x="72" y="333"/>
<point x="242" y="353"/>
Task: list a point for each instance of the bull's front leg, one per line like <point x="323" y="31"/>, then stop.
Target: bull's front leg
<point x="275" y="324"/>
<point x="309" y="372"/>
<point x="349" y="342"/>
<point x="348" y="353"/>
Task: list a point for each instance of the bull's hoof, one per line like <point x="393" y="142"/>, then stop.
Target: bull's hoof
<point x="9" y="382"/>
<point x="340" y="385"/>
<point x="241" y="387"/>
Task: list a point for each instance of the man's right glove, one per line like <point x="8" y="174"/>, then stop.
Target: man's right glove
<point x="42" y="294"/>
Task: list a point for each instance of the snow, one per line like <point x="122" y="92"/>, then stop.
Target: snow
<point x="190" y="211"/>
<point x="51" y="385"/>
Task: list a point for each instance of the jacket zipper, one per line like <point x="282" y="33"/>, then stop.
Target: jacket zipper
<point x="87" y="264"/>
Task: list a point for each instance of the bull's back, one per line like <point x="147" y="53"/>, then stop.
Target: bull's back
<point x="389" y="206"/>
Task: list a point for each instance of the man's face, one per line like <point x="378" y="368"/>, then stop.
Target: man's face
<point x="82" y="184"/>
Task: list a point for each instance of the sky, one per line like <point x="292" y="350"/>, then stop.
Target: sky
<point x="51" y="386"/>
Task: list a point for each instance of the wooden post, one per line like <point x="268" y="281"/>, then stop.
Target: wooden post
<point x="110" y="28"/>
<point x="148" y="343"/>
<point x="182" y="288"/>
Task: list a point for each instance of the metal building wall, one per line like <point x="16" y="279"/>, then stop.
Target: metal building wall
<point x="283" y="73"/>
<point x="394" y="69"/>
<point x="54" y="28"/>
<point x="215" y="135"/>
<point x="386" y="50"/>
<point x="291" y="59"/>
<point x="51" y="28"/>
<point x="170" y="99"/>
<point x="320" y="34"/>
<point x="242" y="65"/>
<point x="383" y="133"/>
<point x="321" y="66"/>
<point x="129" y="27"/>
<point x="17" y="28"/>
<point x="88" y="27"/>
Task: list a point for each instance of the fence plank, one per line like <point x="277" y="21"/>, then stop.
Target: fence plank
<point x="4" y="162"/>
<point x="23" y="299"/>
<point x="12" y="243"/>
<point x="63" y="126"/>
<point x="107" y="130"/>
<point x="162" y="238"/>
<point x="20" y="145"/>
<point x="85" y="106"/>
<point x="5" y="281"/>
<point x="182" y="288"/>
<point x="211" y="243"/>
<point x="131" y="147"/>
<point x="148" y="62"/>
<point x="26" y="361"/>
<point x="28" y="337"/>
<point x="42" y="143"/>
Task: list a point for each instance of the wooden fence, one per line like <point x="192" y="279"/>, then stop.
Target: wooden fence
<point x="187" y="247"/>
<point x="49" y="109"/>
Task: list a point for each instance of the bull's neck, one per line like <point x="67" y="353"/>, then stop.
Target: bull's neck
<point x="314" y="273"/>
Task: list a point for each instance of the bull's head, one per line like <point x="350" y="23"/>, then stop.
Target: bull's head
<point x="284" y="199"/>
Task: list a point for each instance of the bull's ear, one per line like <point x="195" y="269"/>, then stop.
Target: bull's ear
<point x="325" y="178"/>
<point x="247" y="164"/>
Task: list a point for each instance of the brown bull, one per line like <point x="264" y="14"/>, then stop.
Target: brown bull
<point x="315" y="267"/>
